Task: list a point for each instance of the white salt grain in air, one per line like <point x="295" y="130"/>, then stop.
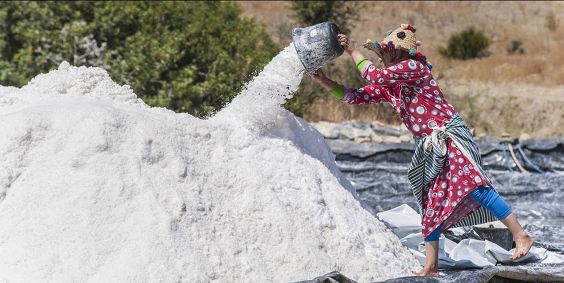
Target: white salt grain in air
<point x="96" y="186"/>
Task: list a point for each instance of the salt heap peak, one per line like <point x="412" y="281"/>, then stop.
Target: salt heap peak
<point x="95" y="83"/>
<point x="95" y="186"/>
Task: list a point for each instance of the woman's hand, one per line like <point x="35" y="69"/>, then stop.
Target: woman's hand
<point x="318" y="76"/>
<point x="350" y="48"/>
<point x="346" y="43"/>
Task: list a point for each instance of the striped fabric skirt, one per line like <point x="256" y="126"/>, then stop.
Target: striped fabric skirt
<point x="446" y="167"/>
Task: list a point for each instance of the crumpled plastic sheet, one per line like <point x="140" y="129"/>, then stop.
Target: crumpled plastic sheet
<point x="482" y="257"/>
<point x="498" y="274"/>
<point x="468" y="253"/>
<point x="547" y="154"/>
<point x="378" y="173"/>
<point x="332" y="277"/>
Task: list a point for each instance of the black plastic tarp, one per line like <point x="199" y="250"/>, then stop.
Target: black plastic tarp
<point x="496" y="274"/>
<point x="378" y="172"/>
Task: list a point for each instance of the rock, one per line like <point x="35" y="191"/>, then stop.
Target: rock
<point x="362" y="140"/>
<point x="389" y="130"/>
<point x="345" y="132"/>
<point x="377" y="139"/>
<point x="405" y="138"/>
<point x="505" y="135"/>
<point x="392" y="139"/>
<point x="524" y="137"/>
<point x="328" y="130"/>
<point x="378" y="123"/>
<point x="403" y="127"/>
<point x="351" y="130"/>
<point x="473" y="131"/>
<point x="481" y="135"/>
<point x="362" y="133"/>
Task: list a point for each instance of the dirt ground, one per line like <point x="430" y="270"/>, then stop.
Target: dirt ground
<point x="498" y="94"/>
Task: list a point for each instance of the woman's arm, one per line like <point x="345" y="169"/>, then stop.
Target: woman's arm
<point x="366" y="95"/>
<point x="324" y="81"/>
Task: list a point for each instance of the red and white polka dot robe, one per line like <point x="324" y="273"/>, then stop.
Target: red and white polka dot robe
<point x="417" y="99"/>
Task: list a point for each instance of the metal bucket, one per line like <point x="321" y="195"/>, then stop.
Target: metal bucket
<point x="317" y="45"/>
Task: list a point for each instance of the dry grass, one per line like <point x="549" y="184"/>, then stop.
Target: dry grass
<point x="530" y="84"/>
<point x="275" y="15"/>
<point x="540" y="65"/>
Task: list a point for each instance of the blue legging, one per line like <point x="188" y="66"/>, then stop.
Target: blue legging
<point x="487" y="198"/>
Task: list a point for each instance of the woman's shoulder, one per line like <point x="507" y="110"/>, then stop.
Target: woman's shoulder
<point x="410" y="65"/>
<point x="409" y="62"/>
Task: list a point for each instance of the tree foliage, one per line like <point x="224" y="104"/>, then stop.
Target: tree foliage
<point x="468" y="44"/>
<point x="186" y="56"/>
<point x="308" y="13"/>
<point x="342" y="13"/>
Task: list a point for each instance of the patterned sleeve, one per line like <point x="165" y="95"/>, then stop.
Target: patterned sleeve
<point x="410" y="72"/>
<point x="366" y="95"/>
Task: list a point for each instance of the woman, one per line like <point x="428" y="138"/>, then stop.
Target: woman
<point x="446" y="173"/>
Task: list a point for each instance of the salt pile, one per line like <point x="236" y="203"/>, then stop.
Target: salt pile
<point x="96" y="186"/>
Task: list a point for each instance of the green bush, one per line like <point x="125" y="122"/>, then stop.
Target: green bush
<point x="189" y="56"/>
<point x="515" y="47"/>
<point x="550" y="21"/>
<point x="468" y="44"/>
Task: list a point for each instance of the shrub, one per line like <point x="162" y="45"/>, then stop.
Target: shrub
<point x="515" y="47"/>
<point x="468" y="44"/>
<point x="550" y="21"/>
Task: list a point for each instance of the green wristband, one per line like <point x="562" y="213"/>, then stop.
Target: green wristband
<point x="338" y="91"/>
<point x="361" y="64"/>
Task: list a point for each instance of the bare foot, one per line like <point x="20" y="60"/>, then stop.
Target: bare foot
<point x="522" y="246"/>
<point x="426" y="273"/>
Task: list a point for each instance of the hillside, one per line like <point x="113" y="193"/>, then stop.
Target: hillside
<point x="499" y="94"/>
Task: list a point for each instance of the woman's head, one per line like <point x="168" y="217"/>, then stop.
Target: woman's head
<point x="392" y="56"/>
<point x="398" y="45"/>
